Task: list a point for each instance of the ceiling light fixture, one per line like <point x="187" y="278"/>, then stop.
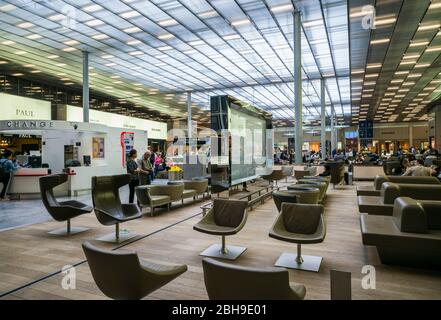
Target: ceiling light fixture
<point x="129" y="14"/>
<point x="168" y="22"/>
<point x="282" y="8"/>
<point x="380" y="41"/>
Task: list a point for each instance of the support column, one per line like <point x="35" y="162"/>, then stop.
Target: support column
<point x="333" y="146"/>
<point x="85" y="86"/>
<point x="323" y="118"/>
<point x="189" y="116"/>
<point x="410" y="136"/>
<point x="298" y="88"/>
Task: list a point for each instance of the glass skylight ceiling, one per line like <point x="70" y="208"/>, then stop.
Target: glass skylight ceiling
<point x="152" y="52"/>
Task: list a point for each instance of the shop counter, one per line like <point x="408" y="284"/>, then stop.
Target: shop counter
<point x="25" y="183"/>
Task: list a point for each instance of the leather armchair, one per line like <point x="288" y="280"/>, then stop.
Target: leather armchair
<point x="300" y="174"/>
<point x="225" y="281"/>
<point x="122" y="275"/>
<point x="280" y="197"/>
<point x="61" y="210"/>
<point x="108" y="207"/>
<point x="301" y="224"/>
<point x="226" y="217"/>
<point x="317" y="184"/>
<point x="151" y="196"/>
<point x="199" y="185"/>
<point x="287" y="171"/>
<point x="411" y="237"/>
<point x="384" y="204"/>
<point x="375" y="190"/>
<point x="275" y="175"/>
<point x="305" y="193"/>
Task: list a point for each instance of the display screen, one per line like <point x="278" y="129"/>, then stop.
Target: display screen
<point x="351" y="134"/>
<point x="248" y="147"/>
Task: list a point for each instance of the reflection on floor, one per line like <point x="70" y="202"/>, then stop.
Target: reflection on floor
<point x="29" y="253"/>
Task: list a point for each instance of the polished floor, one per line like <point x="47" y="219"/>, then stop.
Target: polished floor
<point x="30" y="259"/>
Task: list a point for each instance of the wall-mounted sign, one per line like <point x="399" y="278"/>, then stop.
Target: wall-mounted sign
<point x="22" y="108"/>
<point x="155" y="130"/>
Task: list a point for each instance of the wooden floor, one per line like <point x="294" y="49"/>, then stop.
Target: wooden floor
<point x="29" y="253"/>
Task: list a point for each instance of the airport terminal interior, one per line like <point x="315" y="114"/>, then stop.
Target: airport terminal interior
<point x="220" y="149"/>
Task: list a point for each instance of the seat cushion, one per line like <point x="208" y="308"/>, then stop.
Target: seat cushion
<point x="374" y="205"/>
<point x="367" y="191"/>
<point x="302" y="220"/>
<point x="158" y="200"/>
<point x="229" y="213"/>
<point x="189" y="193"/>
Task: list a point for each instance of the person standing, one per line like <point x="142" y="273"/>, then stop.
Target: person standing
<point x="133" y="170"/>
<point x="146" y="169"/>
<point x="7" y="169"/>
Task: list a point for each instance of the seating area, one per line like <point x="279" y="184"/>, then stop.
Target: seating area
<point x="153" y="196"/>
<point x="383" y="204"/>
<point x="403" y="222"/>
<point x="168" y="253"/>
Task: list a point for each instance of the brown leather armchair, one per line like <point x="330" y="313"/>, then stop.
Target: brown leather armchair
<point x="280" y="197"/>
<point x="61" y="210"/>
<point x="108" y="207"/>
<point x="410" y="237"/>
<point x="275" y="175"/>
<point x="225" y="281"/>
<point x="226" y="217"/>
<point x="375" y="190"/>
<point x="305" y="193"/>
<point x="301" y="224"/>
<point x="122" y="275"/>
<point x="316" y="184"/>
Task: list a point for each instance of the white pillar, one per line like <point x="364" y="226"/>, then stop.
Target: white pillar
<point x="189" y="116"/>
<point x="85" y="86"/>
<point x="323" y="118"/>
<point x="333" y="146"/>
<point x="410" y="136"/>
<point x="298" y="88"/>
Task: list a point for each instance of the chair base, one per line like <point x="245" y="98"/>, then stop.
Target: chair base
<point x="214" y="251"/>
<point x="111" y="237"/>
<point x="63" y="231"/>
<point x="310" y="263"/>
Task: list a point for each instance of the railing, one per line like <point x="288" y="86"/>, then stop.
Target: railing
<point x="262" y="194"/>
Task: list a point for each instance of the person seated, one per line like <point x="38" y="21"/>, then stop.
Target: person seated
<point x="327" y="171"/>
<point x="418" y="170"/>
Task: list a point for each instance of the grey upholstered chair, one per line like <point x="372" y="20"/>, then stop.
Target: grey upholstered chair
<point x="322" y="186"/>
<point x="199" y="185"/>
<point x="411" y="237"/>
<point x="122" y="275"/>
<point x="375" y="190"/>
<point x="300" y="174"/>
<point x="108" y="207"/>
<point x="61" y="210"/>
<point x="152" y="196"/>
<point x="288" y="172"/>
<point x="225" y="281"/>
<point x="301" y="224"/>
<point x="282" y="196"/>
<point x="226" y="217"/>
<point x="305" y="193"/>
<point x="274" y="176"/>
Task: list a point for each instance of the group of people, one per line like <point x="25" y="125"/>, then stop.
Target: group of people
<point x="144" y="170"/>
<point x="8" y="165"/>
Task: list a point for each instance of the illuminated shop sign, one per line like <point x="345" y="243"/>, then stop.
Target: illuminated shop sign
<point x="23" y="108"/>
